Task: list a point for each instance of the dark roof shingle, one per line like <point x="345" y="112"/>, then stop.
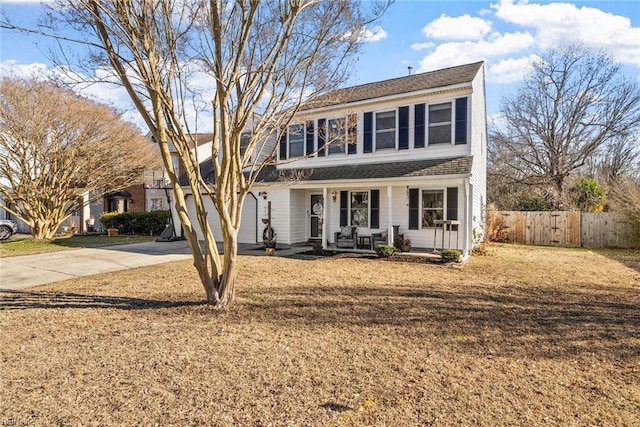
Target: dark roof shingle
<point x="423" y="81"/>
<point x="414" y="168"/>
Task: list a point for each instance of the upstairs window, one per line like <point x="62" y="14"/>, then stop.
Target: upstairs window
<point x="296" y="141"/>
<point x="440" y="123"/>
<point x="337" y="135"/>
<point x="245" y="138"/>
<point x="386" y="130"/>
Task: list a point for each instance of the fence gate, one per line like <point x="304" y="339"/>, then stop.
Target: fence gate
<point x="558" y="228"/>
<point x="568" y="228"/>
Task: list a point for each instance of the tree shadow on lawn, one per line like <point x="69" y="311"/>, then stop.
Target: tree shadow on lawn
<point x="516" y="321"/>
<point x="23" y="300"/>
<point x="627" y="257"/>
<point x="528" y="322"/>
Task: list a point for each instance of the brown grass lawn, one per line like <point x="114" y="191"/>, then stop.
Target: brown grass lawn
<point x="522" y="336"/>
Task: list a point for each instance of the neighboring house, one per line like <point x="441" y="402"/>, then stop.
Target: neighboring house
<point x="408" y="152"/>
<point x="148" y="195"/>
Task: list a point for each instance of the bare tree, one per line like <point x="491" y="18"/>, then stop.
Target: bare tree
<point x="571" y="107"/>
<point x="618" y="159"/>
<point x="56" y="147"/>
<point x="264" y="57"/>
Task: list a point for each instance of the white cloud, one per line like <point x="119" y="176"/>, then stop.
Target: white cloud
<point x="510" y="70"/>
<point x="463" y="27"/>
<point x="556" y="23"/>
<point x="11" y="68"/>
<point x="422" y="46"/>
<point x="457" y="53"/>
<point x="369" y="36"/>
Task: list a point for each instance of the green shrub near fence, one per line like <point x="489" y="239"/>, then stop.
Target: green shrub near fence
<point x="144" y="223"/>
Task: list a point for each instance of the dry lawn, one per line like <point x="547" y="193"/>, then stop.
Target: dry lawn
<point x="522" y="336"/>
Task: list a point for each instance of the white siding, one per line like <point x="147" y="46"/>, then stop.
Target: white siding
<point x="300" y="200"/>
<point x="479" y="151"/>
<point x="428" y="152"/>
<point x="280" y="213"/>
<point x="248" y="227"/>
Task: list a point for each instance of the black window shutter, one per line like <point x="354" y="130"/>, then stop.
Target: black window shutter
<point x="419" y="110"/>
<point x="368" y="133"/>
<point x="414" y="209"/>
<point x="344" y="208"/>
<point x="375" y="208"/>
<point x="283" y="145"/>
<point x="322" y="136"/>
<point x="403" y="128"/>
<point x="452" y="203"/>
<point x="461" y="120"/>
<point x="309" y="138"/>
<point x="352" y="134"/>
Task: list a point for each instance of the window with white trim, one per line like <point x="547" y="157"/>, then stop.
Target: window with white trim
<point x="385" y="130"/>
<point x="432" y="207"/>
<point x="157" y="204"/>
<point x="245" y="139"/>
<point x="337" y="135"/>
<point x="296" y="140"/>
<point x="360" y="208"/>
<point x="440" y="124"/>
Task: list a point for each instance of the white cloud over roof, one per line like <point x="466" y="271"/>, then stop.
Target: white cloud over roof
<point x="531" y="28"/>
<point x="565" y="23"/>
<point x="463" y="27"/>
<point x="455" y="53"/>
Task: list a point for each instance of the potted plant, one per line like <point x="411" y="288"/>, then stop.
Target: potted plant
<point x="269" y="245"/>
<point x="405" y="245"/>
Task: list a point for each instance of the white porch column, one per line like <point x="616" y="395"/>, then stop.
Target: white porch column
<point x="86" y="212"/>
<point x="466" y="226"/>
<point x="390" y="236"/>
<point x="325" y="216"/>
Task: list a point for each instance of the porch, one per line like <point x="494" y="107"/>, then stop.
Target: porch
<point x="378" y="215"/>
<point x="305" y="251"/>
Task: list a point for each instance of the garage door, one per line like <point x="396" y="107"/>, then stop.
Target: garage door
<point x="248" y="228"/>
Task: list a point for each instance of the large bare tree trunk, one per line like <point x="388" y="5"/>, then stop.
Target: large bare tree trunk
<point x="263" y="59"/>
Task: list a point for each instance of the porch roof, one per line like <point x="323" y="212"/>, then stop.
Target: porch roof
<point x="358" y="171"/>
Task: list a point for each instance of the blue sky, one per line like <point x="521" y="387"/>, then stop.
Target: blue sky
<point x="428" y="35"/>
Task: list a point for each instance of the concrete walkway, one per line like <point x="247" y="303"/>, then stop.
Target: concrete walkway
<point x="26" y="271"/>
<point x="32" y="270"/>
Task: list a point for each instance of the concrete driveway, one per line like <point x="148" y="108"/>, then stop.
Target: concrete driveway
<point x="32" y="270"/>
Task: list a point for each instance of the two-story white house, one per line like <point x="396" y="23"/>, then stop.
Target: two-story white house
<point x="409" y="152"/>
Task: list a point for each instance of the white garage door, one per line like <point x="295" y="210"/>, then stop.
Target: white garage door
<point x="248" y="228"/>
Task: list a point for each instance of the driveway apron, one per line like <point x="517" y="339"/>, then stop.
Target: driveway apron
<point x="32" y="270"/>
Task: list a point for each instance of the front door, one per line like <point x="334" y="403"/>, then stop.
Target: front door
<point x="316" y="216"/>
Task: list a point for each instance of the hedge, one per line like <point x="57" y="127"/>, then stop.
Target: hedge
<point x="144" y="223"/>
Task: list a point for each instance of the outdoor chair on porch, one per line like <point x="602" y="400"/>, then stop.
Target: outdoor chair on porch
<point x="347" y="237"/>
<point x="379" y="239"/>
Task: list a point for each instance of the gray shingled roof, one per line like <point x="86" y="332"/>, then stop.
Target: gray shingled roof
<point x="417" y="82"/>
<point x="414" y="168"/>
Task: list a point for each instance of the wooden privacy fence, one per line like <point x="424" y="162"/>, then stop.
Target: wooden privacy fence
<point x="567" y="228"/>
